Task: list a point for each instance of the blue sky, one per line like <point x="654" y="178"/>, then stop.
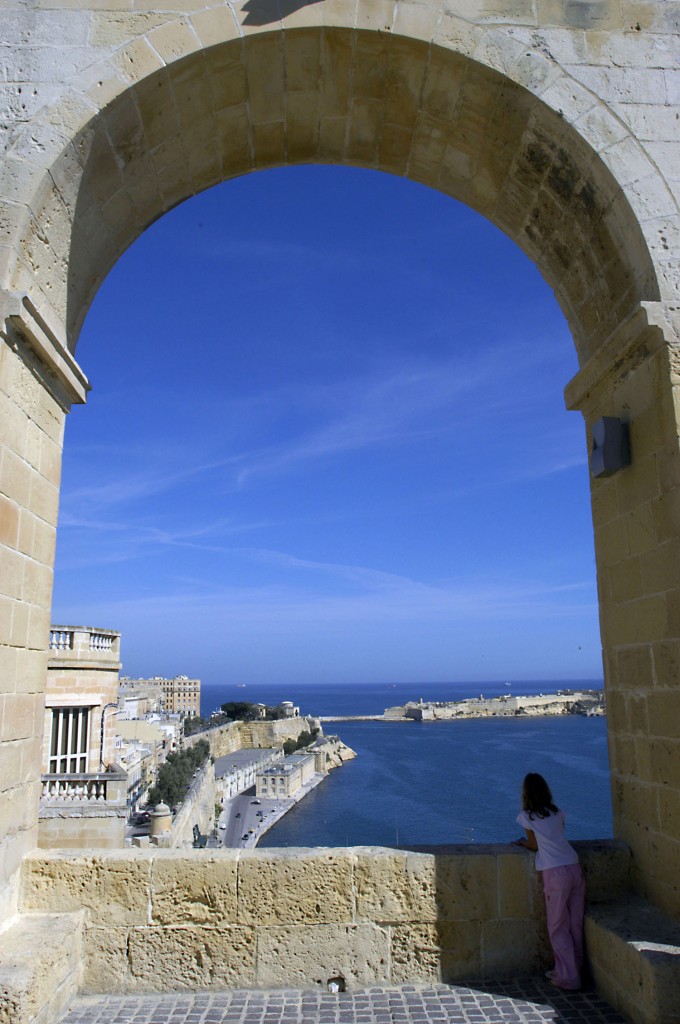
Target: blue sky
<point x="326" y="442"/>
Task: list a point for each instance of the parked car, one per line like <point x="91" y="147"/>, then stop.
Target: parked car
<point x="256" y="801"/>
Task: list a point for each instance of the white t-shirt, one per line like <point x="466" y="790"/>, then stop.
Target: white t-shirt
<point x="553" y="849"/>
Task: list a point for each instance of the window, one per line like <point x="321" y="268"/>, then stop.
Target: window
<point x="68" y="746"/>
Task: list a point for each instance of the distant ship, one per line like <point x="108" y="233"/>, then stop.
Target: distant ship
<point x="240" y="686"/>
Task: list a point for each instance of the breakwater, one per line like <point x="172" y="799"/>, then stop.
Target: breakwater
<point x="563" y="702"/>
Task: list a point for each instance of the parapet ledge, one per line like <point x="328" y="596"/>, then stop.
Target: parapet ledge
<point x="634" y="954"/>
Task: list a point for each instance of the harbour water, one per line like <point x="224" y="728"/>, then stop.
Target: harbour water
<point x="439" y="782"/>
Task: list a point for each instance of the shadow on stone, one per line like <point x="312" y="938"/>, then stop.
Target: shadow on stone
<point x="264" y="12"/>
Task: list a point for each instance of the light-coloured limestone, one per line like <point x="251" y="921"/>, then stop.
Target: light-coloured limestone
<point x="296" y="887"/>
<point x="558" y="121"/>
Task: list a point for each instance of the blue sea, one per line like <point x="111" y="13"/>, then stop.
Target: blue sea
<point x="439" y="782"/>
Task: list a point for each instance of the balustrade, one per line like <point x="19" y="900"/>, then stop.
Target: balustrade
<point x="101" y="642"/>
<point x="61" y="640"/>
<point x="63" y="789"/>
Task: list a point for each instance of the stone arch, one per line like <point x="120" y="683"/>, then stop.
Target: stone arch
<point x="517" y="119"/>
<point x="505" y="131"/>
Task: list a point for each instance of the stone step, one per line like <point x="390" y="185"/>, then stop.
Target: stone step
<point x="634" y="954"/>
<point x="40" y="965"/>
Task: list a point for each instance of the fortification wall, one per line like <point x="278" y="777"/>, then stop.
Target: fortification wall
<point x="239" y="735"/>
<point x="168" y="920"/>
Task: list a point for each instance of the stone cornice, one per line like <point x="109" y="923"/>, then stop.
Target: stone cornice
<point x="30" y="336"/>
<point x="642" y="333"/>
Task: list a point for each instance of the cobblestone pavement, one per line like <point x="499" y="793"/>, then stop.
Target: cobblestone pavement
<point x="527" y="1000"/>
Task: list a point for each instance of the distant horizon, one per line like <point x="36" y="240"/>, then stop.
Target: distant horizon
<point x="404" y="682"/>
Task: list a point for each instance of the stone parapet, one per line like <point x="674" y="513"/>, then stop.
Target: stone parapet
<point x="161" y="920"/>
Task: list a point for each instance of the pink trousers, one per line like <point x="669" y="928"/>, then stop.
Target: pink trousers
<point x="564" y="890"/>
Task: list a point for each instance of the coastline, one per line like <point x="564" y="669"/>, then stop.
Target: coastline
<point x="562" y="702"/>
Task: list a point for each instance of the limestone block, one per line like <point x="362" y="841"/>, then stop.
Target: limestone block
<point x="265" y="79"/>
<point x="214" y="25"/>
<point x="441" y="89"/>
<point x="395" y="886"/>
<point x="174" y="40"/>
<point x="19" y="724"/>
<point x="115" y="29"/>
<point x="165" y="959"/>
<point x="269" y="144"/>
<point x="446" y="952"/>
<point x="136" y="60"/>
<point x="606" y="865"/>
<point x="370" y="70"/>
<point x="594" y="14"/>
<point x="453" y="33"/>
<point x="295" y="885"/>
<point x="405" y="75"/>
<point x="416" y="20"/>
<point x="666" y="659"/>
<point x="509" y="946"/>
<point x="302" y="126"/>
<point x="39" y="967"/>
<point x="290" y="957"/>
<point x="203" y="894"/>
<point x="503" y="12"/>
<point x="515" y="885"/>
<point x="467" y="886"/>
<point x="625" y="580"/>
<point x="106" y="967"/>
<point x="376" y="15"/>
<point x="339" y="13"/>
<point x="15" y="479"/>
<point x="332" y="138"/>
<point x="336" y="58"/>
<point x="364" y="131"/>
<point x="116" y="884"/>
<point x="394" y="149"/>
<point x="665" y="860"/>
<point x="633" y="953"/>
<point x="302" y="56"/>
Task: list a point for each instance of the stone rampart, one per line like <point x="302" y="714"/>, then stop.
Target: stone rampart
<point x="165" y="920"/>
<point x="238" y="735"/>
<point x="198" y="808"/>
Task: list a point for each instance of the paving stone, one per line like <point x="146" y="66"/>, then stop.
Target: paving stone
<point x="525" y="1000"/>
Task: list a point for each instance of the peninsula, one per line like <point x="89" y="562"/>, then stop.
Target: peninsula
<point x="564" y="702"/>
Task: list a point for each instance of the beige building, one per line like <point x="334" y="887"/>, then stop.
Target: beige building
<point x="179" y="696"/>
<point x="83" y="792"/>
<point x="137" y="701"/>
<point x="285" y="779"/>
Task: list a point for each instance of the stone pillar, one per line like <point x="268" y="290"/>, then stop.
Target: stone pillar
<point x="636" y="516"/>
<point x="38" y="382"/>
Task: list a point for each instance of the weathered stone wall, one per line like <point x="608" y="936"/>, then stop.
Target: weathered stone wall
<point x="637" y="518"/>
<point x="167" y="920"/>
<point x="560" y="122"/>
<point x="198" y="808"/>
<point x="239" y="735"/>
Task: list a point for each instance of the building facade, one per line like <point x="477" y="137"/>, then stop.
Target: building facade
<point x="83" y="793"/>
<point x="285" y="779"/>
<point x="179" y="695"/>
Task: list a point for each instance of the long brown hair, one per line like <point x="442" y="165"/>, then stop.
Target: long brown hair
<point x="537" y="799"/>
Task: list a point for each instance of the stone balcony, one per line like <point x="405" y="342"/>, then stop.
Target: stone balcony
<point x="83" y="810"/>
<point x="84" y="647"/>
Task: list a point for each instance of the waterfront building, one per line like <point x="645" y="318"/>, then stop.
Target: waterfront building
<point x="284" y="779"/>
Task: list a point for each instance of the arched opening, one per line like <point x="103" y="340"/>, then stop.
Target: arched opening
<point x="342" y="458"/>
<point x="467" y="127"/>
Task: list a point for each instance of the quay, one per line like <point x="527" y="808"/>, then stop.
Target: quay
<point x="353" y="718"/>
<point x="522" y="1000"/>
